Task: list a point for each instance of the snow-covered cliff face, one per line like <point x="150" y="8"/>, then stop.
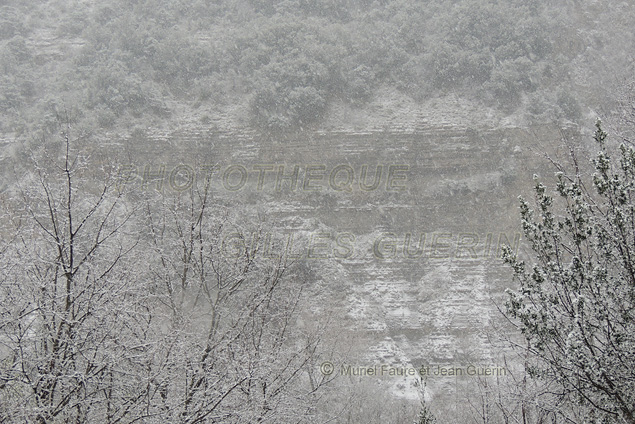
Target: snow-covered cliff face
<point x="398" y="230"/>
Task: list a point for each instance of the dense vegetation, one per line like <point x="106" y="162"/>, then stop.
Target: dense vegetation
<point x="287" y="61"/>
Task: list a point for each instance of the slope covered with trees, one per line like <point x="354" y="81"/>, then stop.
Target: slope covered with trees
<point x="285" y="62"/>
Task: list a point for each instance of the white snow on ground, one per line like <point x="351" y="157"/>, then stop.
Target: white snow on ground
<point x="395" y="111"/>
<point x="389" y="354"/>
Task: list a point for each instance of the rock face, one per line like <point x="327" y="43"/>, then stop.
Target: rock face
<point x="400" y="231"/>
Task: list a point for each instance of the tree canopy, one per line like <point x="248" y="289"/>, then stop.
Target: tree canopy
<point x="576" y="301"/>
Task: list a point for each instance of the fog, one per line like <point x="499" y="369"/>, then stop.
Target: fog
<point x="242" y="211"/>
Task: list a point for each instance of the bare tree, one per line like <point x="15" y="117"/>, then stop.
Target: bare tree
<point x="168" y="312"/>
<point x="229" y="313"/>
<point x="68" y="317"/>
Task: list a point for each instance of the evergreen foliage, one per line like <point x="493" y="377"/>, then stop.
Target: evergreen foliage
<point x="576" y="300"/>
